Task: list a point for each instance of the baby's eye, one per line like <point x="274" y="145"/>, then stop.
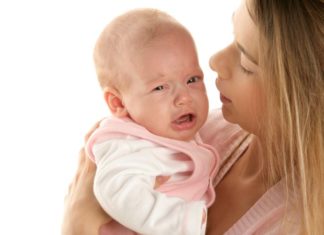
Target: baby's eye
<point x="158" y="88"/>
<point x="193" y="79"/>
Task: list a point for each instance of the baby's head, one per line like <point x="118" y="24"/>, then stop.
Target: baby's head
<point x="148" y="68"/>
<point x="124" y="38"/>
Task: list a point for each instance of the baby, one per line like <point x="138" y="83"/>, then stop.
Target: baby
<point x="154" y="174"/>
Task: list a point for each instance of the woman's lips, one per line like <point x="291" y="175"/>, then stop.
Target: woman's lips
<point x="224" y="99"/>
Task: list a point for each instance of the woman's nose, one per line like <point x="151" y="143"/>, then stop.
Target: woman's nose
<point x="221" y="61"/>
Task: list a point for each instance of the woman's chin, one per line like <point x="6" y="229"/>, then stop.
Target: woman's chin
<point x="228" y="115"/>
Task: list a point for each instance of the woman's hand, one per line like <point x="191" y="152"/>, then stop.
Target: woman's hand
<point x="83" y="214"/>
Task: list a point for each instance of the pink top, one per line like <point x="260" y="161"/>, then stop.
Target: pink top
<point x="267" y="214"/>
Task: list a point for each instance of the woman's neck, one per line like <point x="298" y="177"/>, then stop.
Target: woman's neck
<point x="250" y="164"/>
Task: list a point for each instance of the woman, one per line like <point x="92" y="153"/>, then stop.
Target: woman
<point x="271" y="84"/>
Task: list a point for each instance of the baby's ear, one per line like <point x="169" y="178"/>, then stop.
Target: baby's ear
<point x="115" y="102"/>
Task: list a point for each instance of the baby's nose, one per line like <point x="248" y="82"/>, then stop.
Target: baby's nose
<point x="183" y="96"/>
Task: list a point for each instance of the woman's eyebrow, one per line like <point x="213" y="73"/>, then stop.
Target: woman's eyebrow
<point x="241" y="48"/>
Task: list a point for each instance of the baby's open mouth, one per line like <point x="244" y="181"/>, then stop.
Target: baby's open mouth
<point x="184" y="122"/>
<point x="185" y="118"/>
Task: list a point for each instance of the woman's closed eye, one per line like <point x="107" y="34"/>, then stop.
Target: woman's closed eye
<point x="246" y="65"/>
<point x="244" y="70"/>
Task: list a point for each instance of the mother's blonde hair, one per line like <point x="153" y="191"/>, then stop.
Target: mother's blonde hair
<point x="291" y="57"/>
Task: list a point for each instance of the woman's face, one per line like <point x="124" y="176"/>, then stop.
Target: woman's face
<point x="238" y="80"/>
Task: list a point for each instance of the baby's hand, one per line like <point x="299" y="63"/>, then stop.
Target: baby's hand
<point x="161" y="179"/>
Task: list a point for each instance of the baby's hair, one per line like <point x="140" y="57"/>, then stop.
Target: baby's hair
<point x="124" y="35"/>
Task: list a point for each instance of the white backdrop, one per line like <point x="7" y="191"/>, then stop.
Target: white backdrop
<point x="49" y="96"/>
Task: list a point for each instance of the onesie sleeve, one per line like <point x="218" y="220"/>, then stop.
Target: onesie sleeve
<point x="124" y="182"/>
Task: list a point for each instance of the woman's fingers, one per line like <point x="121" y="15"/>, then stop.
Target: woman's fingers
<point x="83" y="214"/>
<point x="92" y="129"/>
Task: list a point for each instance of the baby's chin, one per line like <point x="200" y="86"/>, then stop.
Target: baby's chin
<point x="183" y="129"/>
<point x="184" y="135"/>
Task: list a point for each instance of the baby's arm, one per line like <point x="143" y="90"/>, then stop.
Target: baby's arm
<point x="124" y="186"/>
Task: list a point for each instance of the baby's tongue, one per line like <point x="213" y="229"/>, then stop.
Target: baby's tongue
<point x="184" y="118"/>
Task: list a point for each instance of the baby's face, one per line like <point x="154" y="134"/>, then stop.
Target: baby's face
<point x="166" y="93"/>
